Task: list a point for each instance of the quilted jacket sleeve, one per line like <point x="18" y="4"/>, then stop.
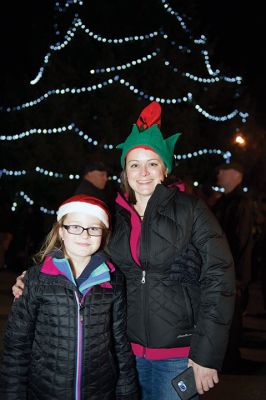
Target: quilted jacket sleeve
<point x="17" y="345"/>
<point x="217" y="282"/>
<point x="127" y="387"/>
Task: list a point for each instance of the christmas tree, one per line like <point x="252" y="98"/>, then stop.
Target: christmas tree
<point x="96" y="65"/>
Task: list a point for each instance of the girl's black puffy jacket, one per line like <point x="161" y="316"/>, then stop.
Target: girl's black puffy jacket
<point x="173" y="300"/>
<point x="44" y="334"/>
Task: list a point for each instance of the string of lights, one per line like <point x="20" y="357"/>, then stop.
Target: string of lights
<point x="31" y="202"/>
<point x="74" y="176"/>
<point x="135" y="90"/>
<point x="154" y="54"/>
<point x="237" y="79"/>
<point x="78" y="24"/>
<point x="67" y="4"/>
<point x="49" y="131"/>
<point x="46" y="173"/>
<point x="202" y="40"/>
<point x="155" y="37"/>
<point x="127" y="65"/>
<point x="59" y="9"/>
<point x="52" y="212"/>
<point x="55" y="92"/>
<point x="70" y="34"/>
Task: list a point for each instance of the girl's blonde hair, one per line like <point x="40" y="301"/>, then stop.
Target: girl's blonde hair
<point x="53" y="241"/>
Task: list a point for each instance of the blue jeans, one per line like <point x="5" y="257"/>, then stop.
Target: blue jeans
<point x="155" y="377"/>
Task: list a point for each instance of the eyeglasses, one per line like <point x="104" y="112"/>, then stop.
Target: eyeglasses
<point x="78" y="230"/>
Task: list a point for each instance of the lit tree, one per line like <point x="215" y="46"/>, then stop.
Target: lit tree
<point x="108" y="60"/>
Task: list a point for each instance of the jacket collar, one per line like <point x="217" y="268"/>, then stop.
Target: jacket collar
<point x="100" y="268"/>
<point x="158" y="200"/>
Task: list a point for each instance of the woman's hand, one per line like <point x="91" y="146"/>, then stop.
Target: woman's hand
<point x="17" y="289"/>
<point x="205" y="378"/>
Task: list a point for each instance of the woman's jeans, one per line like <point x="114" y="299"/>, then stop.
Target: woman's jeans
<point x="155" y="377"/>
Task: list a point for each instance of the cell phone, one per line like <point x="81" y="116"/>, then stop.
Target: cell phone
<point x="184" y="384"/>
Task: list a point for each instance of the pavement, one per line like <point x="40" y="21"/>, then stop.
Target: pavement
<point x="248" y="382"/>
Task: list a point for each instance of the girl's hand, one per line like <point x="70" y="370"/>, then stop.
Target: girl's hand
<point x="205" y="378"/>
<point x="17" y="289"/>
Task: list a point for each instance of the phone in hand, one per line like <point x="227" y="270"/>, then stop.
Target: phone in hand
<point x="184" y="384"/>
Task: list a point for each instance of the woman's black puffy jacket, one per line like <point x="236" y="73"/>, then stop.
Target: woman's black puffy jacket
<point x="174" y="300"/>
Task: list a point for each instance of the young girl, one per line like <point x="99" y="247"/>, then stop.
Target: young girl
<point x="66" y="336"/>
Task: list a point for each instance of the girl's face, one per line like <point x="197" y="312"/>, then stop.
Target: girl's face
<point x="144" y="169"/>
<point x="80" y="247"/>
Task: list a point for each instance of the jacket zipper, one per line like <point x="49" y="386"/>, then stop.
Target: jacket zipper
<point x="143" y="279"/>
<point x="144" y="289"/>
<point x="80" y="319"/>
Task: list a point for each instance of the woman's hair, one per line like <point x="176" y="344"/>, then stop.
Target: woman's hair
<point x="53" y="241"/>
<point x="126" y="189"/>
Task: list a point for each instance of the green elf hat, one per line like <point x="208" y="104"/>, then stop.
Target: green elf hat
<point x="146" y="133"/>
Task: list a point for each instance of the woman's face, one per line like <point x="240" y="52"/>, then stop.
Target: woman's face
<point x="144" y="170"/>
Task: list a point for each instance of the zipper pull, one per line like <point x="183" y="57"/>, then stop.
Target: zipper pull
<point x="81" y="312"/>
<point x="143" y="280"/>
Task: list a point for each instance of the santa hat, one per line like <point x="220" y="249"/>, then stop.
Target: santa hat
<point x="146" y="133"/>
<point x="81" y="203"/>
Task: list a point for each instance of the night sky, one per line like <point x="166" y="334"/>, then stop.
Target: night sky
<point x="235" y="30"/>
<point x="238" y="31"/>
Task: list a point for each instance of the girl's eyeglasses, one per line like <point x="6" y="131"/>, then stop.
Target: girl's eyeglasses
<point x="78" y="230"/>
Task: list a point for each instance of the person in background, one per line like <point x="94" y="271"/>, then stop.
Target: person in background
<point x="6" y="230"/>
<point x="184" y="184"/>
<point x="178" y="267"/>
<point x="95" y="183"/>
<point x="234" y="211"/>
<point x="208" y="194"/>
<point x="259" y="255"/>
<point x="66" y="335"/>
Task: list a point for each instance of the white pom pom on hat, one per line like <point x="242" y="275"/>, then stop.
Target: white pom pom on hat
<point x="81" y="203"/>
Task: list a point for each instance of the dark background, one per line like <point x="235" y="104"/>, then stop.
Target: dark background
<point x="235" y="36"/>
<point x="237" y="30"/>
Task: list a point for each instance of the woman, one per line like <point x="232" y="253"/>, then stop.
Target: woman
<point x="179" y="309"/>
<point x="178" y="315"/>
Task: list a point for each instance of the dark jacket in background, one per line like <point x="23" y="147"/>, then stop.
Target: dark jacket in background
<point x="235" y="214"/>
<point x="180" y="304"/>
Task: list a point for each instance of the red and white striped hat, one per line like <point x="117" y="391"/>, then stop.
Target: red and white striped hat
<point x="81" y="203"/>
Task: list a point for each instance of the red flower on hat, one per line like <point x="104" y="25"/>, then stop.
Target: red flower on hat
<point x="149" y="116"/>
